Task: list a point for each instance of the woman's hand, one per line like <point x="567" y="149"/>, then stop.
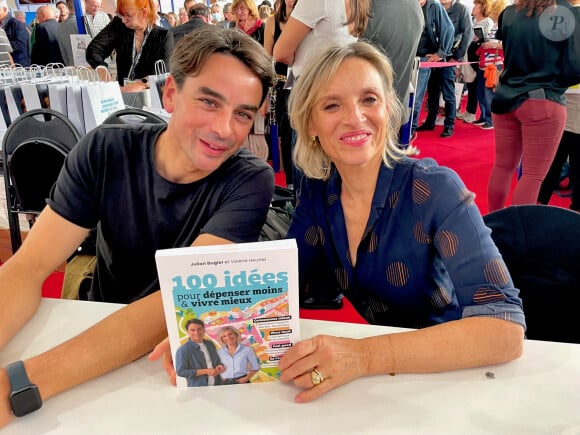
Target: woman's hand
<point x="338" y="360"/>
<point x="162" y="350"/>
<point x="136" y="86"/>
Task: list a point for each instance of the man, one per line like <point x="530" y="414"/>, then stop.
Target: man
<point x="46" y="49"/>
<point x="65" y="29"/>
<point x="95" y="19"/>
<point x="198" y="17"/>
<point x="197" y="360"/>
<point x="64" y="11"/>
<point x="186" y="183"/>
<point x="434" y="46"/>
<point x="229" y="18"/>
<point x="5" y="49"/>
<point x="395" y="25"/>
<point x="17" y="35"/>
<point x="442" y="80"/>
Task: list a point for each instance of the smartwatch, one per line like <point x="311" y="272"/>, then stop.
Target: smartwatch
<point x="24" y="395"/>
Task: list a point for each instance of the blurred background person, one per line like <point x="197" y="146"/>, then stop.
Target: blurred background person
<point x="198" y="17"/>
<point x="63" y="32"/>
<point x="5" y="49"/>
<point x="46" y="48"/>
<point x="182" y="15"/>
<point x="264" y="12"/>
<point x="95" y="19"/>
<point x="64" y="11"/>
<point x="229" y="17"/>
<point x="482" y="27"/>
<point x="528" y="108"/>
<point x="272" y="32"/>
<point x="138" y="41"/>
<point x="215" y="11"/>
<point x="17" y="34"/>
<point x="248" y="19"/>
<point x="172" y="19"/>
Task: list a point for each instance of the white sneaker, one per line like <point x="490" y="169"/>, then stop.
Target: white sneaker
<point x="469" y="118"/>
<point x="440" y="120"/>
<point x="461" y="115"/>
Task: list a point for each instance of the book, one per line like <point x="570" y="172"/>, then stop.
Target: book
<point x="211" y="294"/>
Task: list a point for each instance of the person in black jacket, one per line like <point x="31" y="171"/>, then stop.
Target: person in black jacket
<point x="198" y="17"/>
<point x="139" y="43"/>
<point x="46" y="49"/>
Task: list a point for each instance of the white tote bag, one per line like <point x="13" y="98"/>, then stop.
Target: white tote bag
<point x="100" y="99"/>
<point x="157" y="85"/>
<point x="57" y="97"/>
<point x="74" y="105"/>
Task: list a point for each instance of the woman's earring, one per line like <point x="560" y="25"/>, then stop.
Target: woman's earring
<point x="313" y="141"/>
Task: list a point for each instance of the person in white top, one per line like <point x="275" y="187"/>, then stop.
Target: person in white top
<point x="316" y="23"/>
<point x="95" y="19"/>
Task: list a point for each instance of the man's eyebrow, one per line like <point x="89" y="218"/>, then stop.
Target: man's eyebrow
<point x="210" y="92"/>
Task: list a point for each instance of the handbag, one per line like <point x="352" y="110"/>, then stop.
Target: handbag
<point x="466" y="72"/>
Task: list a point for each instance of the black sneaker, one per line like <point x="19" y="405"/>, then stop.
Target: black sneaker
<point x="487" y="126"/>
<point x="447" y="132"/>
<point x="425" y="127"/>
<point x="478" y="122"/>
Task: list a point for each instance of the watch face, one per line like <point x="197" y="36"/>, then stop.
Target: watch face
<point x="25" y="401"/>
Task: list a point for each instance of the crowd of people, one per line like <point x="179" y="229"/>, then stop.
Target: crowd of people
<point x="399" y="236"/>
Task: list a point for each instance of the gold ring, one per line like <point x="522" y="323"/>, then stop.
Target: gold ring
<point x="316" y="377"/>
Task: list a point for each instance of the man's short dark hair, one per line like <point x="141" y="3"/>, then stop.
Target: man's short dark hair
<point x="198" y="10"/>
<point x="195" y="48"/>
<point x="227" y="8"/>
<point x="194" y="322"/>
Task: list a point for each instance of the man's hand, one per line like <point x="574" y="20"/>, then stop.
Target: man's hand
<point x="433" y="57"/>
<point x="162" y="350"/>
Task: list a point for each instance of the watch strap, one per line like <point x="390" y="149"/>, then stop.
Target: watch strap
<point x="17" y="376"/>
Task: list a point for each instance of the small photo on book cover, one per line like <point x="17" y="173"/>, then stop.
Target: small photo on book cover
<point x="231" y="310"/>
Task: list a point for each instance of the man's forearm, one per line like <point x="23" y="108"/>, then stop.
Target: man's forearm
<point x="19" y="299"/>
<point x="114" y="342"/>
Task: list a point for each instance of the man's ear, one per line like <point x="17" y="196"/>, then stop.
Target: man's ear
<point x="169" y="93"/>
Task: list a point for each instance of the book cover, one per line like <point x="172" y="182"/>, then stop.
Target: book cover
<point x="231" y="310"/>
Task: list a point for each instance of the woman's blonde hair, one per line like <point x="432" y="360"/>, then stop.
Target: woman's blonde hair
<point x="228" y="328"/>
<point x="496" y="8"/>
<point x="308" y="154"/>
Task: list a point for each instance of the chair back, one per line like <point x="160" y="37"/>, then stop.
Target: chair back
<point x="33" y="151"/>
<point x="541" y="248"/>
<point x="132" y="115"/>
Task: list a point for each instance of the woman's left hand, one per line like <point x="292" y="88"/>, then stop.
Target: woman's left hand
<point x="338" y="360"/>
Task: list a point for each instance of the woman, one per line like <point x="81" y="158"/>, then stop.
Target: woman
<point x="183" y="17"/>
<point x="488" y="52"/>
<point x="316" y="23"/>
<point x="401" y="238"/>
<point x="528" y="109"/>
<point x="482" y="26"/>
<point x="172" y="19"/>
<point x="241" y="362"/>
<point x="138" y="42"/>
<point x="273" y="30"/>
<point x="248" y="19"/>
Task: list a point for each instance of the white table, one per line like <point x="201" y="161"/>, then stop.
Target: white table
<point x="537" y="394"/>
